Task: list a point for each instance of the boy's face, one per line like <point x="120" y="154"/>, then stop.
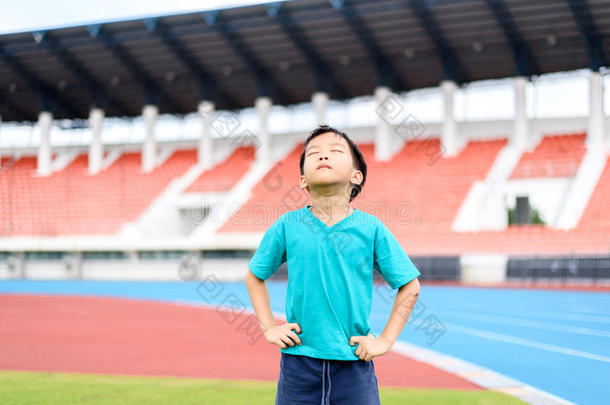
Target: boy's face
<point x="331" y="150"/>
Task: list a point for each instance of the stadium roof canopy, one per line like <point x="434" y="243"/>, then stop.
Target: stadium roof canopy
<point x="289" y="50"/>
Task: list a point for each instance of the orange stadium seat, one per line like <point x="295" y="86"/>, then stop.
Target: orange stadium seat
<point x="596" y="215"/>
<point x="224" y="175"/>
<point x="428" y="187"/>
<point x="554" y="156"/>
<point x="418" y="193"/>
<point x="72" y="202"/>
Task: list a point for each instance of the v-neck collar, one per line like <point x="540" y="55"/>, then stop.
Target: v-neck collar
<point x="311" y="214"/>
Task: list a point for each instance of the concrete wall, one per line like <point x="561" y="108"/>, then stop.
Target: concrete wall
<point x="131" y="268"/>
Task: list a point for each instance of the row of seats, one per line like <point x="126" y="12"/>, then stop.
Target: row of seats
<point x="72" y="202"/>
<point x="223" y="176"/>
<point x="554" y="156"/>
<point x="417" y="194"/>
<point x="414" y="186"/>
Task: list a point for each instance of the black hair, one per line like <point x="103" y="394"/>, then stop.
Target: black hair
<point x="357" y="156"/>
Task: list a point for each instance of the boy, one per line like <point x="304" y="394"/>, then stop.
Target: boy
<point x="327" y="345"/>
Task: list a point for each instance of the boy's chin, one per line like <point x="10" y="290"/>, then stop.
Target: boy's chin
<point x="325" y="182"/>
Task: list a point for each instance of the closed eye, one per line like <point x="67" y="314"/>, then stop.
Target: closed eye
<point x="334" y="150"/>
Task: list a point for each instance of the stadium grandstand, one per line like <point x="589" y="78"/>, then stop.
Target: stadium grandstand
<point x="130" y="148"/>
<point x="143" y="160"/>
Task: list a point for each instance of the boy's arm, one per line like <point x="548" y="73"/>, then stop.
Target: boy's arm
<point x="371" y="346"/>
<point x="280" y="335"/>
<point x="260" y="300"/>
<point x="401" y="310"/>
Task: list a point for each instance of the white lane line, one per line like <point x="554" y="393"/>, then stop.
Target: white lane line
<point x="478" y="375"/>
<point x="571" y="317"/>
<point x="584" y="307"/>
<point x="504" y="320"/>
<point x="525" y="342"/>
<point x="545" y="315"/>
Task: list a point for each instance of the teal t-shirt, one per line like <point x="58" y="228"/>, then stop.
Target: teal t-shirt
<point x="330" y="275"/>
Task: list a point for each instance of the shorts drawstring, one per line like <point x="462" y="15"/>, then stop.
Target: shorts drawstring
<point x="325" y="372"/>
<point x="323" y="380"/>
<point x="329" y="381"/>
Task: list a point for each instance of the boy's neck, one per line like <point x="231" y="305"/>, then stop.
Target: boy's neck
<point x="330" y="209"/>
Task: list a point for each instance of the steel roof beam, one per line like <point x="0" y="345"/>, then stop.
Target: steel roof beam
<point x="299" y="39"/>
<point x="387" y="75"/>
<point x="525" y="63"/>
<point x="267" y="86"/>
<point x="47" y="94"/>
<point x="99" y="95"/>
<point x="452" y="67"/>
<point x="586" y="26"/>
<point x="153" y="93"/>
<point x="209" y="87"/>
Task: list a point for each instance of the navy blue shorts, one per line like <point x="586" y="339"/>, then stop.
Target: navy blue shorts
<point x="307" y="380"/>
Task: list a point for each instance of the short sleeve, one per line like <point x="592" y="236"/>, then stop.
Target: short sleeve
<point x="271" y="252"/>
<point x="391" y="260"/>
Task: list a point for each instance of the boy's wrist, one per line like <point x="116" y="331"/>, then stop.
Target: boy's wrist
<point x="389" y="340"/>
<point x="266" y="325"/>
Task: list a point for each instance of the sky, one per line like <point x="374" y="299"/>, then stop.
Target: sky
<point x="18" y="16"/>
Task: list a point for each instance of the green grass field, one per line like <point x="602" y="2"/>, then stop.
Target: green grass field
<point x="26" y="388"/>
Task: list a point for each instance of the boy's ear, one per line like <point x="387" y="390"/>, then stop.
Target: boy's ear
<point x="357" y="177"/>
<point x="303" y="183"/>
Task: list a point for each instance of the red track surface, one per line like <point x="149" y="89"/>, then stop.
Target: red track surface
<point x="138" y="337"/>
